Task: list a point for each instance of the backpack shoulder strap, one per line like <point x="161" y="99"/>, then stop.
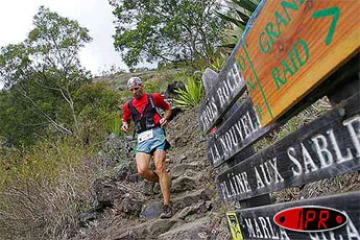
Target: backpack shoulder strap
<point x="151" y="100"/>
<point x="132" y="109"/>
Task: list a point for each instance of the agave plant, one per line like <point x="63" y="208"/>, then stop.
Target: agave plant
<point x="218" y="62"/>
<point x="237" y="14"/>
<point x="192" y="95"/>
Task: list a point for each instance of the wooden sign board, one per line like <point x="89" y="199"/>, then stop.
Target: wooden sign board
<point x="238" y="132"/>
<point x="229" y="86"/>
<point x="242" y="128"/>
<point x="328" y="146"/>
<point x="291" y="46"/>
<point x="257" y="223"/>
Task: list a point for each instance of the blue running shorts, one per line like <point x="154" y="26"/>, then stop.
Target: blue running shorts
<point x="158" y="141"/>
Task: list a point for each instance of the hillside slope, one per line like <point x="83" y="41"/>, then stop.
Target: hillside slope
<point x="162" y="77"/>
<point x="123" y="211"/>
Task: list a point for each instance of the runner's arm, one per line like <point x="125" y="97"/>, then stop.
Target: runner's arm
<point x="164" y="120"/>
<point x="125" y="118"/>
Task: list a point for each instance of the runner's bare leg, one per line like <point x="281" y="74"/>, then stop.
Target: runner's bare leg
<point x="143" y="167"/>
<point x="164" y="178"/>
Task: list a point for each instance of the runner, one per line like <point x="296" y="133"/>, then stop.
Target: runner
<point x="151" y="139"/>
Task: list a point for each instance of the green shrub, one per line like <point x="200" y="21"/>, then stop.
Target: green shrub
<point x="97" y="110"/>
<point x="192" y="95"/>
<point x="154" y="86"/>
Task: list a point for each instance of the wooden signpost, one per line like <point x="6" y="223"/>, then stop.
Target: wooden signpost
<point x="326" y="147"/>
<point x="292" y="46"/>
<point x="293" y="52"/>
<point x="226" y="90"/>
<point x="258" y="223"/>
<point x="237" y="132"/>
<point x="285" y="54"/>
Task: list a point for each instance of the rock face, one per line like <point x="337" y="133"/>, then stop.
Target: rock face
<point x="131" y="205"/>
<point x="126" y="212"/>
<point x="198" y="229"/>
<point x="105" y="193"/>
<point x="117" y="152"/>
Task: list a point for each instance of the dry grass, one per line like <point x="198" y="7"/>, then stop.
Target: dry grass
<point x="308" y="115"/>
<point x="43" y="190"/>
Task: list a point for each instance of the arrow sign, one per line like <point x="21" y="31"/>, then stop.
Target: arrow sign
<point x="335" y="12"/>
<point x="282" y="56"/>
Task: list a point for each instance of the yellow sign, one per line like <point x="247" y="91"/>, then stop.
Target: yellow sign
<point x="293" y="45"/>
<point x="234" y="226"/>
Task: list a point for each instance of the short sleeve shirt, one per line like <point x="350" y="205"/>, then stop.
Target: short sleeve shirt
<point x="140" y="104"/>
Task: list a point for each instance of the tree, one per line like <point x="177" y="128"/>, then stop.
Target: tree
<point x="44" y="71"/>
<point x="96" y="106"/>
<point x="166" y="30"/>
<point x="19" y="123"/>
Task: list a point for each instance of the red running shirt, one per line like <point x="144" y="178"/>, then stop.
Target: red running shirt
<point x="140" y="104"/>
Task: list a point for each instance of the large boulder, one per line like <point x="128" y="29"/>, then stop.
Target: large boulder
<point x="131" y="205"/>
<point x="106" y="192"/>
<point x="152" y="210"/>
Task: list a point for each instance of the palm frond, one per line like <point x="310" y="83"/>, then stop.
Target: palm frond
<point x="246" y="4"/>
<point x="238" y="15"/>
<point x="230" y="19"/>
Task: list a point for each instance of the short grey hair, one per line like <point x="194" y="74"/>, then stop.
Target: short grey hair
<point x="134" y="81"/>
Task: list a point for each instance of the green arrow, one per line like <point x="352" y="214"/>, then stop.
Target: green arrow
<point x="335" y="11"/>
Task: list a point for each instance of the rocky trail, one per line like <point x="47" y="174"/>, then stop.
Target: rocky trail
<point x="122" y="210"/>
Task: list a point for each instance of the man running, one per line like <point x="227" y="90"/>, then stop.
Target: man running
<point x="151" y="139"/>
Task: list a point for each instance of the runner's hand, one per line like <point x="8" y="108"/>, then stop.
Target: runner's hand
<point x="163" y="122"/>
<point x="125" y="127"/>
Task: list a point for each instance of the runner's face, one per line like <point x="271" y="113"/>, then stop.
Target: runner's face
<point x="137" y="91"/>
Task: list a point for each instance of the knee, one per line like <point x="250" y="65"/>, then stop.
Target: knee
<point x="160" y="169"/>
<point x="142" y="172"/>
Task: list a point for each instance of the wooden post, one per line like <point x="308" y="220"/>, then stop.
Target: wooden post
<point x="209" y="78"/>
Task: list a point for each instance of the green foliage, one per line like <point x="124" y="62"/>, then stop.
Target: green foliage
<point x="154" y="86"/>
<point x="165" y="30"/>
<point x="192" y="95"/>
<point x="57" y="40"/>
<point x="17" y="120"/>
<point x="50" y="52"/>
<point x="96" y="108"/>
<point x="172" y="65"/>
<point x="237" y="16"/>
<point x="116" y="126"/>
<point x="41" y="75"/>
<point x="219" y="62"/>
